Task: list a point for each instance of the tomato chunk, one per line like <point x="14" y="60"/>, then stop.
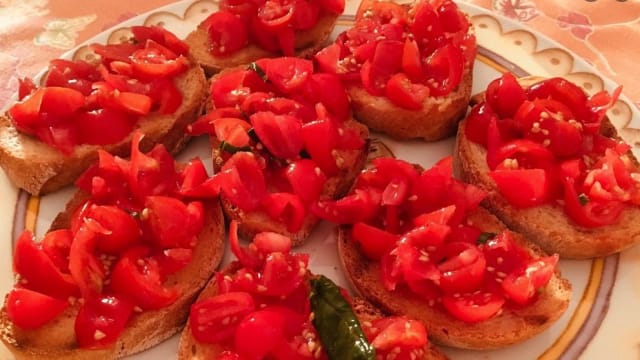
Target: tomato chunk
<point x="30" y="309"/>
<point x="214" y="320"/>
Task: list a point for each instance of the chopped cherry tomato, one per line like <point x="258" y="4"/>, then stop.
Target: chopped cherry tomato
<point x="374" y="242"/>
<point x="232" y="131"/>
<point x="270" y="242"/>
<point x="276" y="14"/>
<point x="227" y="32"/>
<point x="259" y="333"/>
<point x="328" y="90"/>
<point x="411" y="62"/>
<point x="29" y="309"/>
<point x="103" y="126"/>
<point x="333" y="6"/>
<point x="137" y="277"/>
<point x="283" y="273"/>
<point x="85" y="268"/>
<point x="214" y="320"/>
<point x="161" y="36"/>
<point x="39" y="271"/>
<point x="473" y="308"/>
<point x="521" y="287"/>
<point x="445" y="66"/>
<point x="319" y="138"/>
<point x="505" y="95"/>
<point x="173" y="260"/>
<point x="119" y="229"/>
<point x="402" y="92"/>
<point x="522" y="187"/>
<point x="26" y="87"/>
<point x="462" y="268"/>
<point x="243" y="181"/>
<point x="287" y="74"/>
<point x="592" y="213"/>
<point x="398" y="333"/>
<point x="152" y="63"/>
<point x="56" y="244"/>
<point x="101" y="320"/>
<point x="171" y="222"/>
<point x="307" y="179"/>
<point x="280" y="134"/>
<point x="286" y="208"/>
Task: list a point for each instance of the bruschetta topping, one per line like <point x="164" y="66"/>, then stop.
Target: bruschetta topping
<point x="270" y="307"/>
<point x="406" y="54"/>
<point x="271" y="24"/>
<point x="134" y="230"/>
<point x="544" y="145"/>
<point x="99" y="104"/>
<point x="416" y="225"/>
<point x="278" y="128"/>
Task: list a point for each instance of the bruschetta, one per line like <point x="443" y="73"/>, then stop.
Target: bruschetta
<point x="407" y="67"/>
<point x="243" y="31"/>
<point x="53" y="133"/>
<point x="416" y="243"/>
<point x="282" y="137"/>
<point x="553" y="166"/>
<point x="267" y="305"/>
<point x="120" y="267"/>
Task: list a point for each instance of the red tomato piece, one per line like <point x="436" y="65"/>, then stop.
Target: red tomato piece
<point x="398" y="333"/>
<point x="152" y="173"/>
<point x="374" y="242"/>
<point x="103" y="126"/>
<point x="214" y="320"/>
<point x="270" y="242"/>
<point x="307" y="179"/>
<point x="166" y="96"/>
<point x="305" y="14"/>
<point x="473" y="308"/>
<point x="85" y="268"/>
<point x="232" y="130"/>
<point x="328" y="90"/>
<point x="411" y="61"/>
<point x="161" y="36"/>
<point x="171" y="222"/>
<point x="438" y="217"/>
<point x="505" y="95"/>
<point x="319" y="138"/>
<point x="243" y="181"/>
<point x="427" y="28"/>
<point x="26" y="87"/>
<point x="29" y="309"/>
<point x="137" y="277"/>
<point x="521" y="287"/>
<point x="333" y="6"/>
<point x="259" y="333"/>
<point x="360" y="206"/>
<point x="522" y="188"/>
<point x="56" y="244"/>
<point x="405" y="94"/>
<point x="287" y="74"/>
<point x="280" y="134"/>
<point x="227" y="32"/>
<point x="151" y="63"/>
<point x="283" y="273"/>
<point x="39" y="271"/>
<point x="462" y="268"/>
<point x="120" y="229"/>
<point x="101" y="320"/>
<point x="173" y="260"/>
<point x="563" y="91"/>
<point x="286" y="208"/>
<point x="445" y="66"/>
<point x="592" y="213"/>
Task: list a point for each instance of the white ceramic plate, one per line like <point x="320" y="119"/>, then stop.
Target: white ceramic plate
<point x="601" y="319"/>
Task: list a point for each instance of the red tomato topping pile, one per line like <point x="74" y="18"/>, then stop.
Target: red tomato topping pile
<point x="262" y="309"/>
<point x="404" y="54"/>
<point x="99" y="104"/>
<point x="136" y="229"/>
<point x="544" y="146"/>
<point x="280" y="130"/>
<point x="269" y="24"/>
<point x="415" y="224"/>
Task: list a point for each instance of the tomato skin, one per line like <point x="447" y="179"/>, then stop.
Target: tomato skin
<point x="171" y="222"/>
<point x="280" y="134"/>
<point x="402" y="92"/>
<point x="307" y="179"/>
<point x="283" y="273"/>
<point x="29" y="309"/>
<point x="259" y="333"/>
<point x="287" y="74"/>
<point x="473" y="308"/>
<point x="521" y="287"/>
<point x="227" y="32"/>
<point x="446" y="66"/>
<point x="522" y="188"/>
<point x="462" y="268"/>
<point x="505" y="95"/>
<point x="207" y="317"/>
<point x="101" y="320"/>
<point x="40" y="272"/>
<point x="244" y="183"/>
<point x="374" y="242"/>
<point x="103" y="126"/>
<point x="56" y="244"/>
<point x="120" y="228"/>
<point x="85" y="268"/>
<point x="287" y="208"/>
<point x="398" y="332"/>
<point x="138" y="278"/>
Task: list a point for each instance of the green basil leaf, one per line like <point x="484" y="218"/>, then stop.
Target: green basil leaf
<point x="584" y="199"/>
<point x="231" y="149"/>
<point x="337" y="325"/>
<point x="484" y="237"/>
<point x="261" y="73"/>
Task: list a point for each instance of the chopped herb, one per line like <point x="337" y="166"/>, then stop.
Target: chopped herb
<point x="252" y="134"/>
<point x="232" y="149"/>
<point x="484" y="237"/>
<point x="263" y="75"/>
<point x="337" y="325"/>
<point x="584" y="199"/>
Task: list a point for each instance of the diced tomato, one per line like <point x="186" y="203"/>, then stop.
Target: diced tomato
<point x="333" y="6"/>
<point x="521" y="287"/>
<point x="214" y="320"/>
<point x="243" y="181"/>
<point x="29" y="309"/>
<point x="270" y="242"/>
<point x="319" y="138"/>
<point x="150" y="63"/>
<point x="592" y="213"/>
<point x="119" y="230"/>
<point x="173" y="260"/>
<point x="166" y="95"/>
<point x="374" y="242"/>
<point x="85" y="268"/>
<point x="280" y="134"/>
<point x="137" y="277"/>
<point x="26" y="87"/>
<point x="283" y="273"/>
<point x="39" y="271"/>
<point x="227" y="32"/>
<point x="402" y="92"/>
<point x="360" y="206"/>
<point x="522" y="187"/>
<point x="445" y="65"/>
<point x="103" y="126"/>
<point x="398" y="333"/>
<point x="259" y="333"/>
<point x="505" y="95"/>
<point x="288" y="74"/>
<point x="307" y="179"/>
<point x="562" y="91"/>
<point x="171" y="222"/>
<point x="101" y="320"/>
<point x="462" y="268"/>
<point x="56" y="244"/>
<point x="411" y="61"/>
<point x="473" y="308"/>
<point x="161" y="36"/>
<point x="286" y="208"/>
<point x="328" y="90"/>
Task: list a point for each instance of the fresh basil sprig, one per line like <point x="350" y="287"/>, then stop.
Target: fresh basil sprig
<point x="337" y="325"/>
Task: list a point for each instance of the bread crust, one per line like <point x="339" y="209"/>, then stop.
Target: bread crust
<point x="307" y="43"/>
<point x="251" y="223"/>
<point x="508" y="327"/>
<point x="56" y="340"/>
<point x="436" y="120"/>
<point x="39" y="169"/>
<point x="547" y="225"/>
<point x="191" y="349"/>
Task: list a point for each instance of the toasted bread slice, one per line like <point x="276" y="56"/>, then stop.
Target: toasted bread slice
<point x="436" y="120"/>
<point x="547" y="225"/>
<point x="56" y="340"/>
<point x="40" y="169"/>
<point x="307" y="43"/>
<point x="508" y="327"/>
<point x="255" y="222"/>
<point x="190" y="348"/>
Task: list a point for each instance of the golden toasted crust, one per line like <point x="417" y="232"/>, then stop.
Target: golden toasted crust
<point x="307" y="43"/>
<point x="257" y="221"/>
<point x="191" y="349"/>
<point x="39" y="169"/>
<point x="547" y="225"/>
<point x="509" y="327"/>
<point x="56" y="340"/>
<point x="436" y="120"/>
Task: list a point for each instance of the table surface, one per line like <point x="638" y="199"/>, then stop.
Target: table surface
<point x="606" y="33"/>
